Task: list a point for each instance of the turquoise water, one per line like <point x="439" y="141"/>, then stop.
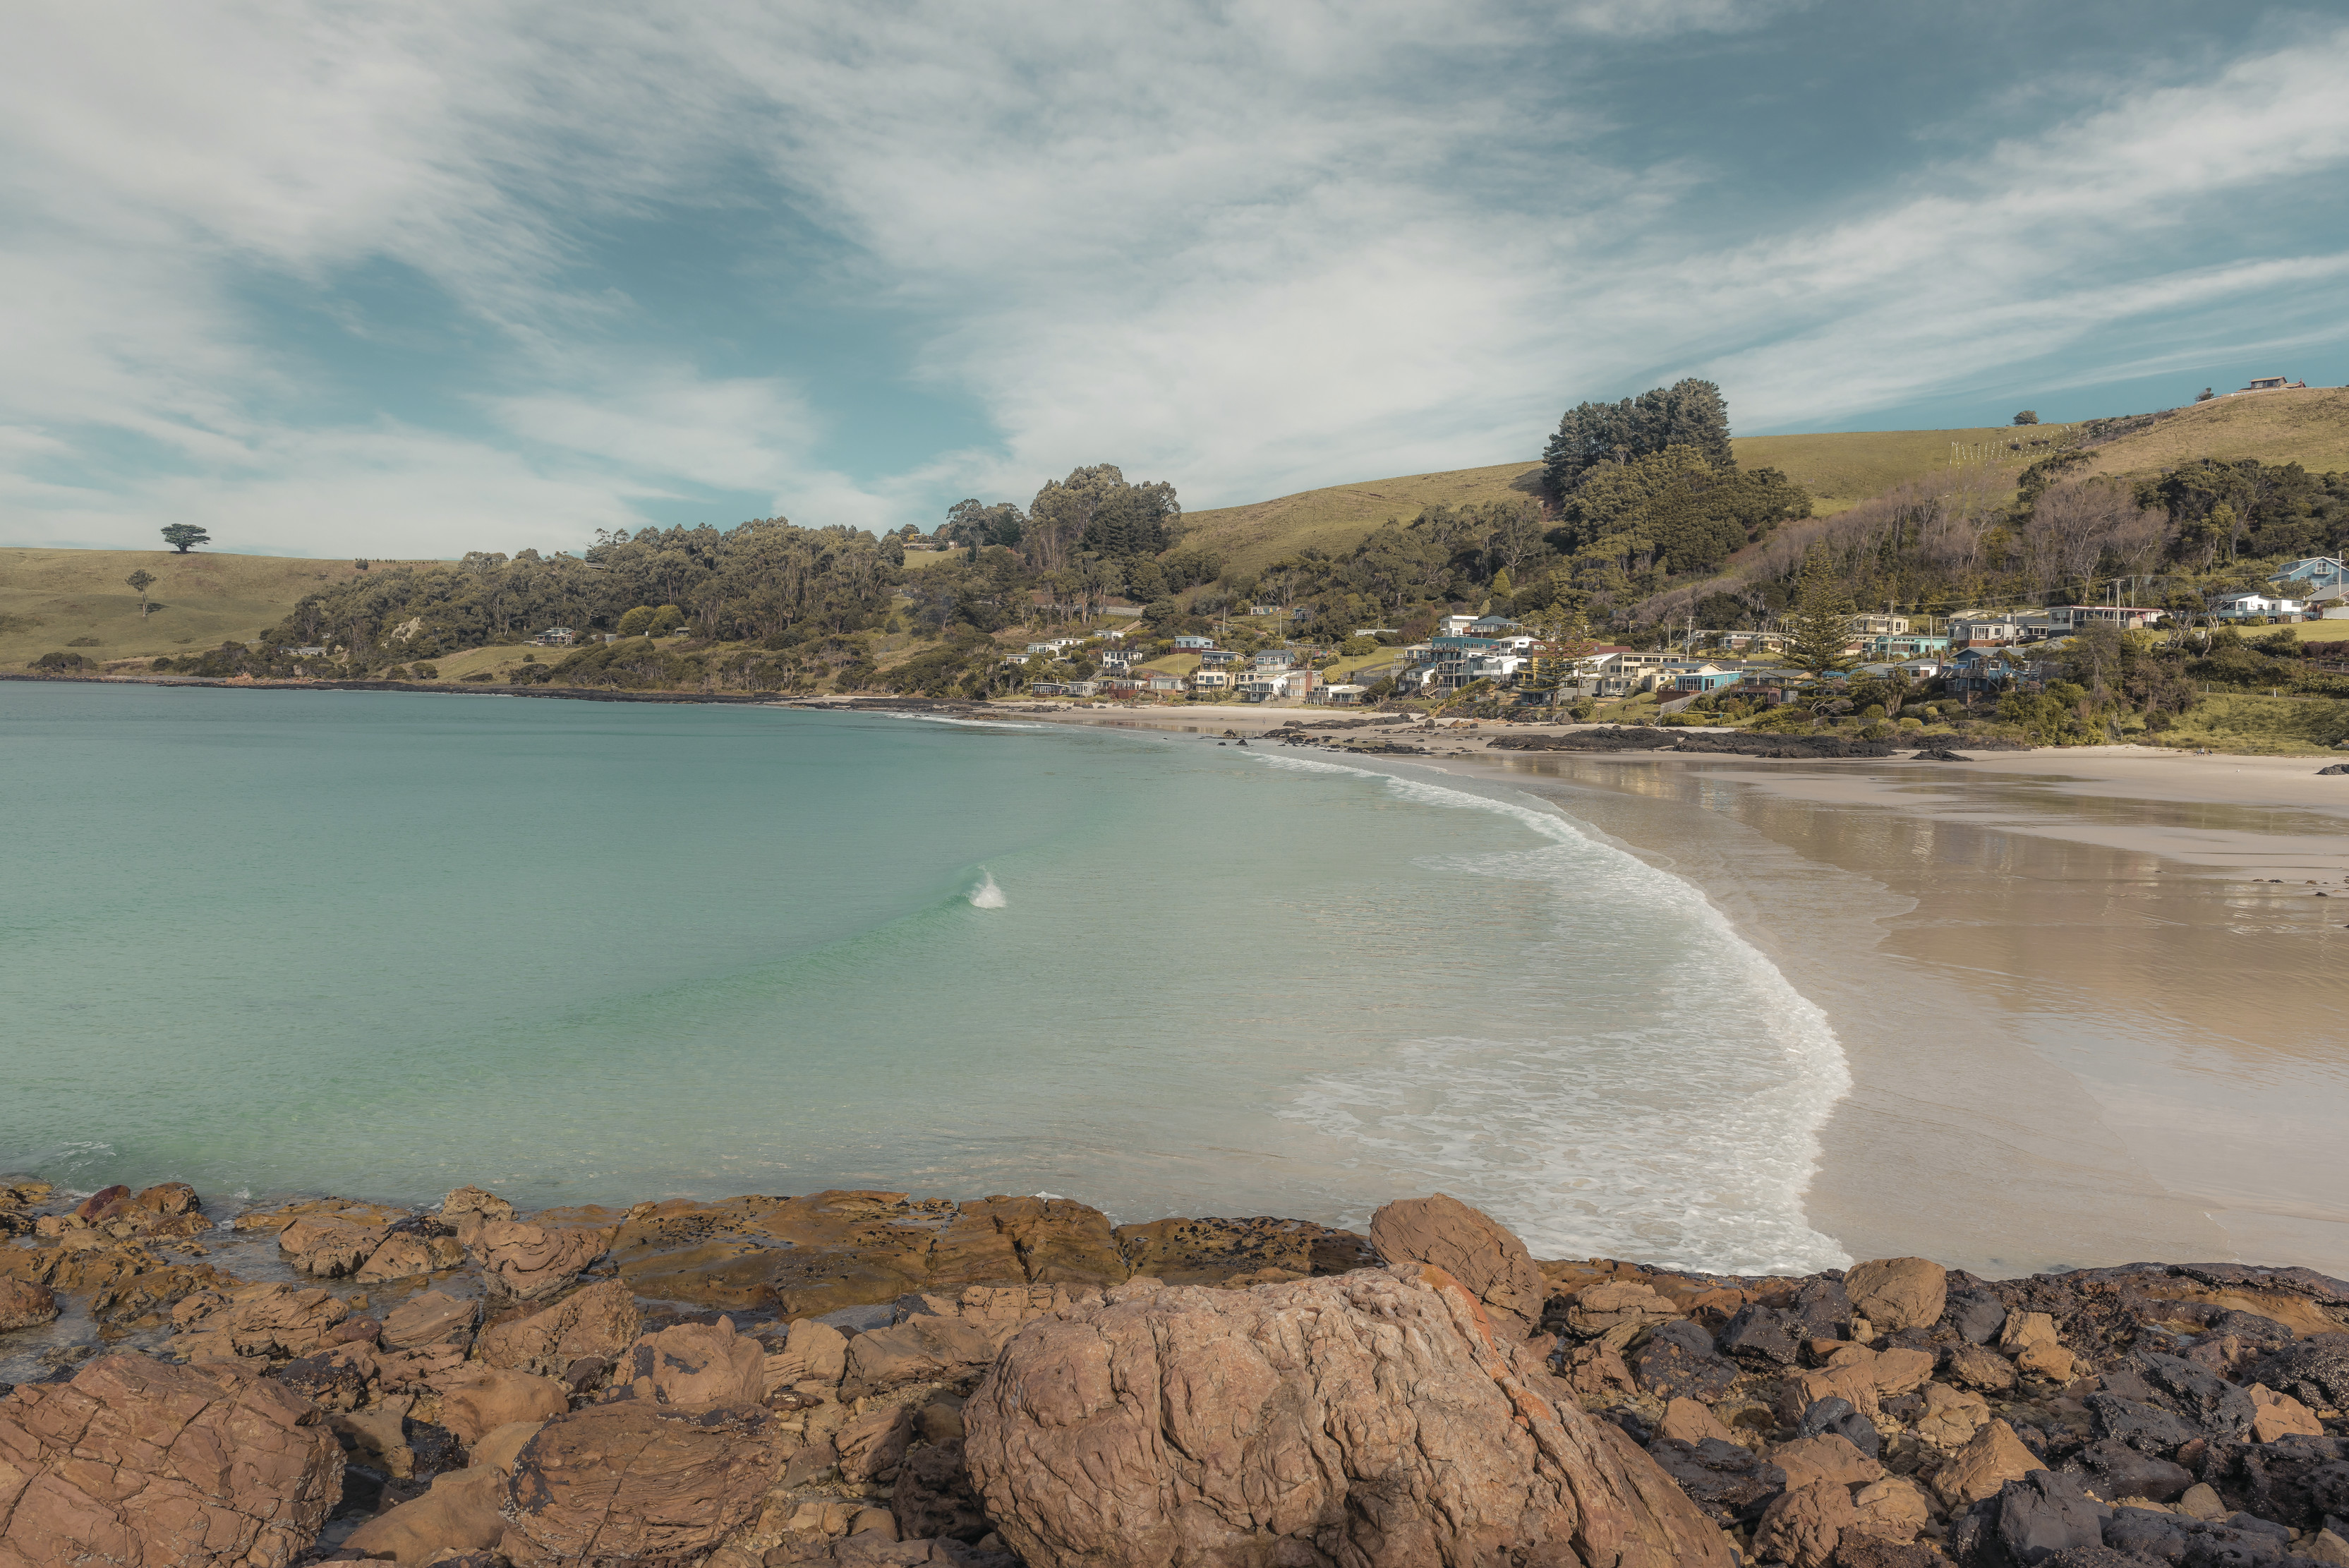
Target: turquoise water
<point x="381" y="944"/>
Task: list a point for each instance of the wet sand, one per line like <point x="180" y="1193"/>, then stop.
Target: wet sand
<point x="2085" y="1025"/>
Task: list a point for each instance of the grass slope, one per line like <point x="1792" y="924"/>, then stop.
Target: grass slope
<point x="1846" y="467"/>
<point x="2309" y="426"/>
<point x="51" y="598"/>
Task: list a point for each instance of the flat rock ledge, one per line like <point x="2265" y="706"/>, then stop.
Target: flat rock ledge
<point x="870" y="1379"/>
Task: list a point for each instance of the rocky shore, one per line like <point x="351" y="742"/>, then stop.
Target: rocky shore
<point x="870" y="1378"/>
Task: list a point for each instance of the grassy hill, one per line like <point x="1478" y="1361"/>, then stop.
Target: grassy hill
<point x="1844" y="468"/>
<point x="53" y="598"/>
<point x="2309" y="426"/>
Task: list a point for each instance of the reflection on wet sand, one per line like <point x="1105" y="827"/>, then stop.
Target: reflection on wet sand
<point x="2070" y="1042"/>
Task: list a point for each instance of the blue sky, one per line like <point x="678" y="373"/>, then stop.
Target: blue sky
<point x="408" y="281"/>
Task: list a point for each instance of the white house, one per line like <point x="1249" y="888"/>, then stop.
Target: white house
<point x="1989" y="629"/>
<point x="1052" y="648"/>
<point x="2244" y="606"/>
<point x="1216" y="680"/>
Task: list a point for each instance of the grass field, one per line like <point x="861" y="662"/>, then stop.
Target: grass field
<point x="2309" y="427"/>
<point x="2260" y="726"/>
<point x="49" y="598"/>
<point x="1844" y="468"/>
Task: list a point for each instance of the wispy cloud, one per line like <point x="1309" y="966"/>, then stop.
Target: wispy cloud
<point x="1246" y="247"/>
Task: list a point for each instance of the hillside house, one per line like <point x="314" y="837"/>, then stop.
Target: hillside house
<point x="1220" y="658"/>
<point x="2248" y="606"/>
<point x="2273" y="384"/>
<point x="1213" y="682"/>
<point x="1165" y="680"/>
<point x="1879" y="625"/>
<point x="556" y="637"/>
<point x="2315" y="574"/>
<point x="1988" y="628"/>
<point x="1188" y="644"/>
<point x="1276" y="658"/>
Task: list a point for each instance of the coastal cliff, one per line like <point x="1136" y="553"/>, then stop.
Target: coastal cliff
<point x="865" y="1377"/>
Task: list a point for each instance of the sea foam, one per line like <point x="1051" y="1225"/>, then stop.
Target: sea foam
<point x="1651" y="1086"/>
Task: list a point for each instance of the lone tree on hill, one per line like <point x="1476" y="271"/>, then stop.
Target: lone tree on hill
<point x="184" y="537"/>
<point x="1821" y="623"/>
<point x="142" y="579"/>
<point x="2026" y="418"/>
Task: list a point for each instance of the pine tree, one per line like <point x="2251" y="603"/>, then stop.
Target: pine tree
<point x="1821" y="625"/>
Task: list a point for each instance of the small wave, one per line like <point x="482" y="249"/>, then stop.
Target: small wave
<point x="987" y="895"/>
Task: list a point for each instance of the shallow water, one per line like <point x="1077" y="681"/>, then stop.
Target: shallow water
<point x="382" y="944"/>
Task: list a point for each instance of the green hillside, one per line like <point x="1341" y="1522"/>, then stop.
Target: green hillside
<point x="2308" y="426"/>
<point x="52" y="599"/>
<point x="1846" y="467"/>
<point x="1250" y="536"/>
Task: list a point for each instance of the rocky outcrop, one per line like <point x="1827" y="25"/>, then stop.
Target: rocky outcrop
<point x="601" y="1321"/>
<point x="1483" y="1256"/>
<point x="1375" y="1419"/>
<point x="144" y="1464"/>
<point x="694" y="1365"/>
<point x="1240" y="1253"/>
<point x="636" y="1480"/>
<point x="263" y="1323"/>
<point x="527" y="1262"/>
<point x="25" y="1303"/>
<point x="1893" y="1293"/>
<point x="432" y="1318"/>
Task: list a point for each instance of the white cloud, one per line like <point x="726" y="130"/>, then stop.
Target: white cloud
<point x="1249" y="247"/>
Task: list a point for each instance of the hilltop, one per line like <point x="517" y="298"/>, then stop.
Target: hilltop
<point x="2309" y="426"/>
<point x="53" y="599"/>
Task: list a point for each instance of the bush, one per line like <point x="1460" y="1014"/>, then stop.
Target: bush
<point x="1675" y="719"/>
<point x="427" y="672"/>
<point x="60" y="662"/>
<point x="477" y="675"/>
<point x="1879" y="730"/>
<point x="1912" y="723"/>
<point x="1872" y="713"/>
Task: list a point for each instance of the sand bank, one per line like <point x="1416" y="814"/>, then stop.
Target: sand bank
<point x="2092" y="1004"/>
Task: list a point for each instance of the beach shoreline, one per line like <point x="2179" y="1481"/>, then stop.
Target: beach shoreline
<point x="2080" y="992"/>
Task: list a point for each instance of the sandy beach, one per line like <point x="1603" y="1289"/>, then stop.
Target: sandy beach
<point x="2090" y="998"/>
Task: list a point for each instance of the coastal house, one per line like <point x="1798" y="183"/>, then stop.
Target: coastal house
<point x="1052" y="648"/>
<point x="2314" y="574"/>
<point x="1491" y="626"/>
<point x="1214" y="683"/>
<point x="1121" y="686"/>
<point x="1453" y="624"/>
<point x="2129" y="618"/>
<point x="1878" y="625"/>
<point x="1220" y="658"/>
<point x="2248" y="606"/>
<point x="1165" y="680"/>
<point x="1276" y="658"/>
<point x="1744" y="642"/>
<point x="1986" y="628"/>
<point x="307" y="651"/>
<point x="556" y="637"/>
<point x="1190" y="644"/>
<point x="1344" y="695"/>
<point x="2273" y="384"/>
<point x="1703" y="678"/>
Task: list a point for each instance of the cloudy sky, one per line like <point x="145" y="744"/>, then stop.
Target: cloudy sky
<point x="408" y="280"/>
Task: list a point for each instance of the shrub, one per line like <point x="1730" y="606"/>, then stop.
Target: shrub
<point x="1879" y="730"/>
<point x="1912" y="723"/>
<point x="477" y="675"/>
<point x="1872" y="713"/>
<point x="60" y="662"/>
<point x="83" y="642"/>
<point x="427" y="672"/>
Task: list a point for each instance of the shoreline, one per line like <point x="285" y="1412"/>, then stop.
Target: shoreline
<point x="2036" y="964"/>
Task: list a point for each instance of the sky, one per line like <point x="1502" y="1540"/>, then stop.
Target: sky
<point x="408" y="281"/>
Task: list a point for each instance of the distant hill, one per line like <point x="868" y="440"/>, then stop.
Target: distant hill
<point x="2309" y="426"/>
<point x="51" y="599"/>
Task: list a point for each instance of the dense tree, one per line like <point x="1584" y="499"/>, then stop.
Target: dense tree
<point x="2026" y="418"/>
<point x="184" y="537"/>
<point x="140" y="581"/>
<point x="1820" y="628"/>
<point x="1688" y="412"/>
<point x="1095" y="511"/>
<point x="976" y="525"/>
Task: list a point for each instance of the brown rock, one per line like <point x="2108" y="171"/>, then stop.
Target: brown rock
<point x="926" y="1347"/>
<point x="527" y="1262"/>
<point x="466" y="1209"/>
<point x="1213" y="1252"/>
<point x="1952" y="1417"/>
<point x="1853" y="1381"/>
<point x="342" y="1210"/>
<point x="634" y="1480"/>
<point x="1994" y="1457"/>
<point x="1977" y="1367"/>
<point x="24" y="1304"/>
<point x="1598" y="1375"/>
<point x="870" y="1447"/>
<point x="488" y="1397"/>
<point x="1894" y="1508"/>
<point x="692" y="1365"/>
<point x="406" y="1255"/>
<point x="2026" y="1328"/>
<point x="433" y="1318"/>
<point x="1374" y="1417"/>
<point x="328" y="1246"/>
<point x="459" y="1513"/>
<point x="1901" y="1371"/>
<point x="601" y="1321"/>
<point x="500" y="1447"/>
<point x="2049" y="1363"/>
<point x="1054" y="1240"/>
<point x="1894" y="1294"/>
<point x="795" y="1255"/>
<point x="815" y="1353"/>
<point x="1691" y="1422"/>
<point x="1828" y="1457"/>
<point x="1616" y="1310"/>
<point x="2276" y="1415"/>
<point x="1470" y="1247"/>
<point x="378" y="1435"/>
<point x="269" y="1323"/>
<point x="140" y="1464"/>
<point x="1803" y="1526"/>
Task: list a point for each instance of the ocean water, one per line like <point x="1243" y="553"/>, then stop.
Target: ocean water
<point x="382" y="944"/>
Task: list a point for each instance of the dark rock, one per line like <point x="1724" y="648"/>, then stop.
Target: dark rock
<point x="321" y="1381"/>
<point x="2219" y="1408"/>
<point x="1758" y="1337"/>
<point x="2144" y="1427"/>
<point x="2147" y="1535"/>
<point x="933" y="1497"/>
<point x="2113" y="1471"/>
<point x="1858" y="1550"/>
<point x="2092" y="1557"/>
<point x="2251" y="1328"/>
<point x="1821" y="1311"/>
<point x="1975" y="1315"/>
<point x="435" y="1447"/>
<point x="2044" y="1513"/>
<point x="1733" y="1485"/>
<point x="1678" y="1363"/>
<point x="1835" y="1416"/>
<point x="2295" y="1481"/>
<point x="2315" y="1371"/>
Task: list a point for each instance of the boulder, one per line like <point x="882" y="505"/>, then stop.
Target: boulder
<point x="601" y="1321"/>
<point x="868" y="1448"/>
<point x="1213" y="1252"/>
<point x="2144" y="1428"/>
<point x="433" y="1318"/>
<point x="1678" y="1362"/>
<point x="468" y="1208"/>
<point x="1616" y="1310"/>
<point x="2112" y="1470"/>
<point x="1893" y="1508"/>
<point x="1854" y="1383"/>
<point x="1729" y="1484"/>
<point x="25" y="1303"/>
<point x="482" y="1400"/>
<point x="933" y="1497"/>
<point x="1376" y="1418"/>
<point x="1805" y="1524"/>
<point x="1758" y="1337"/>
<point x="636" y="1479"/>
<point x="140" y="1464"/>
<point x="1691" y="1422"/>
<point x="691" y="1364"/>
<point x="1994" y="1457"/>
<point x="813" y="1353"/>
<point x="2276" y="1415"/>
<point x="2043" y="1514"/>
<point x="1894" y="1294"/>
<point x="460" y="1513"/>
<point x="1481" y="1255"/>
<point x="527" y="1262"/>
<point x="1974" y="1315"/>
<point x="1978" y="1367"/>
<point x="799" y="1255"/>
<point x="329" y="1246"/>
<point x="1901" y="1370"/>
<point x="405" y="1255"/>
<point x="2315" y="1371"/>
<point x="1826" y="1458"/>
<point x="926" y="1347"/>
<point x="377" y="1436"/>
<point x="265" y="1322"/>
